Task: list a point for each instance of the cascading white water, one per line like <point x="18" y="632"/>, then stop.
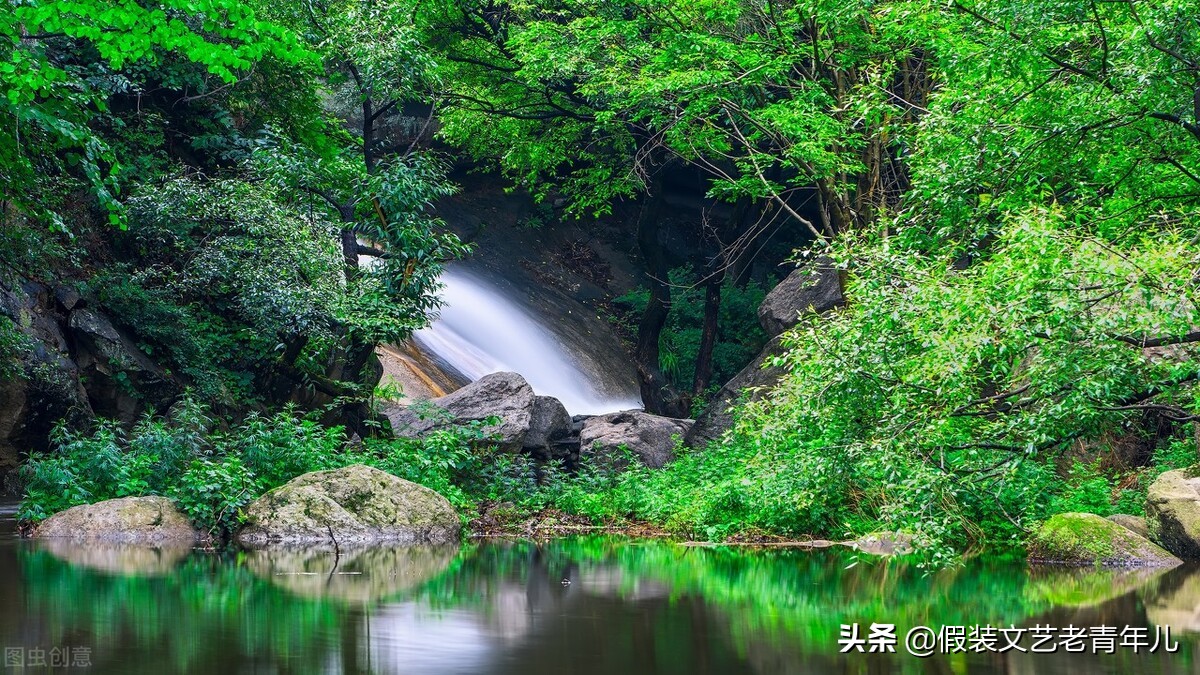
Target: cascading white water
<point x="480" y="331"/>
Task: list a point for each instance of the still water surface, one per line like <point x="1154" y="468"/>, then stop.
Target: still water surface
<point x="575" y="605"/>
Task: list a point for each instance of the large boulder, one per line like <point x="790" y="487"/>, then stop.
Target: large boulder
<point x="129" y="520"/>
<point x="813" y="287"/>
<point x="549" y="426"/>
<point x="749" y="384"/>
<point x="352" y="505"/>
<point x="1173" y="512"/>
<point x="506" y="396"/>
<point x="649" y="437"/>
<point x="1088" y="539"/>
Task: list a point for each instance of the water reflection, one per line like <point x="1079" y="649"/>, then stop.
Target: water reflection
<point x="356" y="575"/>
<point x="582" y="605"/>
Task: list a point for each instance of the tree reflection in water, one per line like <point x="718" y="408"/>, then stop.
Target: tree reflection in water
<point x="578" y="605"/>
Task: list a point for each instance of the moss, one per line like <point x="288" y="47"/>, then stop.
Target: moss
<point x="1085" y="538"/>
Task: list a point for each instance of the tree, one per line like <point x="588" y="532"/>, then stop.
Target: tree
<point x="777" y="103"/>
<point x="52" y="96"/>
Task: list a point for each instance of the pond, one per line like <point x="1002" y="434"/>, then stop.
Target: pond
<point x="572" y="605"/>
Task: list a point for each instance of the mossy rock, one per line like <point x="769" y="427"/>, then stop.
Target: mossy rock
<point x="1088" y="539"/>
<point x="352" y="505"/>
<point x="149" y="521"/>
<point x="1173" y="512"/>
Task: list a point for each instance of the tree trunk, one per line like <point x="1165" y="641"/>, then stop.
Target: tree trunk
<point x="708" y="335"/>
<point x="656" y="393"/>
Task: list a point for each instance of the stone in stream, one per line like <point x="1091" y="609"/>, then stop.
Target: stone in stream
<point x="1088" y="539"/>
<point x="352" y="505"/>
<point x="649" y="437"/>
<point x="149" y="520"/>
<point x="1173" y="512"/>
<point x="506" y="396"/>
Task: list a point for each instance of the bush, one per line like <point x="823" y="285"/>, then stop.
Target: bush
<point x="212" y="475"/>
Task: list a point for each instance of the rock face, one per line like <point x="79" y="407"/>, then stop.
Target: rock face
<point x="129" y="520"/>
<point x="1173" y="512"/>
<point x="353" y="505"/>
<point x="504" y="395"/>
<point x="650" y="437"/>
<point x="814" y="287"/>
<point x="1135" y="524"/>
<point x="114" y="368"/>
<point x="1088" y="539"/>
<point x="751" y="381"/>
<point x="44" y="385"/>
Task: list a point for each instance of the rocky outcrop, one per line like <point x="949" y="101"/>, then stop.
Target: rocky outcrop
<point x="43" y="385"/>
<point x="352" y="505"/>
<point x="1173" y="512"/>
<point x="506" y="396"/>
<point x="649" y="437"/>
<point x="1088" y="539"/>
<point x="120" y="376"/>
<point x="129" y="520"/>
<point x="814" y="287"/>
<point x="752" y="382"/>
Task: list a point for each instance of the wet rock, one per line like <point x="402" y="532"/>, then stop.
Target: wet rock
<point x="1173" y="512"/>
<point x="751" y="383"/>
<point x="129" y="520"/>
<point x="506" y="396"/>
<point x="649" y="437"/>
<point x="1088" y="539"/>
<point x="352" y="505"/>
<point x="549" y="426"/>
<point x="813" y="287"/>
<point x="1135" y="524"/>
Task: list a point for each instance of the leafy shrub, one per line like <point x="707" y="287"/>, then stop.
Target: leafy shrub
<point x="212" y="475"/>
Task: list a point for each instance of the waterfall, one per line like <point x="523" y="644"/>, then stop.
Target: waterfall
<point x="488" y="324"/>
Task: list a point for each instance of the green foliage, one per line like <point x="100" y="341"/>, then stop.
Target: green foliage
<point x="739" y="335"/>
<point x="52" y="97"/>
<point x="213" y="474"/>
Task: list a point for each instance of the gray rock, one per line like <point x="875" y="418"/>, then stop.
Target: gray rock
<point x="129" y="520"/>
<point x="813" y="287"/>
<point x="750" y="384"/>
<point x="506" y="396"/>
<point x="1088" y="539"/>
<point x="1135" y="524"/>
<point x="43" y="386"/>
<point x="352" y="505"/>
<point x="115" y="368"/>
<point x="549" y="424"/>
<point x="650" y="437"/>
<point x="1173" y="512"/>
